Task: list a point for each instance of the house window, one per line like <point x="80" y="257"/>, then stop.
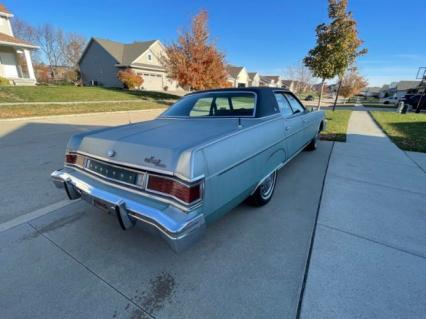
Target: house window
<point x="149" y="57"/>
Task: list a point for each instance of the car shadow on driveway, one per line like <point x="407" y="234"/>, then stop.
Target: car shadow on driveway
<point x="250" y="264"/>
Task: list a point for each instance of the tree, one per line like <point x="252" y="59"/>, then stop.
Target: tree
<point x="352" y="83"/>
<point x="130" y="79"/>
<point x="193" y="61"/>
<point x="337" y="45"/>
<point x="58" y="48"/>
<point x="301" y="75"/>
<point x="71" y="46"/>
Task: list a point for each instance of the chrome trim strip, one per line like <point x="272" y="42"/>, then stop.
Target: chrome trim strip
<point x="139" y="192"/>
<point x="145" y="168"/>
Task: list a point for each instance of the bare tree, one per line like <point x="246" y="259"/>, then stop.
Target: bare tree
<point x="72" y="46"/>
<point x="302" y="77"/>
<point x="48" y="38"/>
<point x="57" y="48"/>
<point x="26" y="32"/>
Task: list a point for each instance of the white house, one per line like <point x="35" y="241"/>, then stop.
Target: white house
<point x="102" y="59"/>
<point x="15" y="54"/>
<point x="254" y="79"/>
<point x="270" y="80"/>
<point x="237" y="76"/>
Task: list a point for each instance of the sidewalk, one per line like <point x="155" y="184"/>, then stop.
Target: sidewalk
<point x="369" y="253"/>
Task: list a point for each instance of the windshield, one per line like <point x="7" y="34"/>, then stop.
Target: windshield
<point x="214" y="104"/>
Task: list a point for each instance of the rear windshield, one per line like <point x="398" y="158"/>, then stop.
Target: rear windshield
<point x="214" y="104"/>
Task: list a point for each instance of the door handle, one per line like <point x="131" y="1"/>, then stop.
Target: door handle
<point x="287" y="128"/>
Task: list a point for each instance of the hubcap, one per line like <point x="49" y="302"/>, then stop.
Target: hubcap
<point x="267" y="187"/>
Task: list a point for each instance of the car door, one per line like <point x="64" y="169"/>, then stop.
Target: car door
<point x="306" y="118"/>
<point x="292" y="124"/>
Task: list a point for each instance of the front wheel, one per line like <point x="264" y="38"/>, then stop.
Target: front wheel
<point x="264" y="191"/>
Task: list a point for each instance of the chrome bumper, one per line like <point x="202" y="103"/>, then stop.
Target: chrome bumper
<point x="179" y="229"/>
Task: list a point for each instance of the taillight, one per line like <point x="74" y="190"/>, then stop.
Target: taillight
<point x="170" y="187"/>
<point x="70" y="158"/>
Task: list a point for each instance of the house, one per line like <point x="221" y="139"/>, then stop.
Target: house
<point x="15" y="54"/>
<point x="384" y="91"/>
<point x="270" y="80"/>
<point x="288" y="84"/>
<point x="102" y="59"/>
<point x="254" y="79"/>
<point x="372" y="91"/>
<point x="399" y="89"/>
<point x="237" y="76"/>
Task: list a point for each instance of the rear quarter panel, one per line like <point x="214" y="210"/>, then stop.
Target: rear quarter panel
<point x="235" y="164"/>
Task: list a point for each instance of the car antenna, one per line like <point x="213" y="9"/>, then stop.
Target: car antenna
<point x="130" y="119"/>
<point x="239" y="123"/>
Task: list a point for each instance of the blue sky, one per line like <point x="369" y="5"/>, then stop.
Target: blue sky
<point x="264" y="36"/>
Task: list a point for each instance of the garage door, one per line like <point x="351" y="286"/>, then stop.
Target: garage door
<point x="152" y="81"/>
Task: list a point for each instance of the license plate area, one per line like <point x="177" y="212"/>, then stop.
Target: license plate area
<point x="113" y="173"/>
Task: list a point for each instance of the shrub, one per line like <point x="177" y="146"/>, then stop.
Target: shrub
<point x="4" y="81"/>
<point x="130" y="79"/>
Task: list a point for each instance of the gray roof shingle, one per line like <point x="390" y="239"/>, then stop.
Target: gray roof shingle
<point x="124" y="53"/>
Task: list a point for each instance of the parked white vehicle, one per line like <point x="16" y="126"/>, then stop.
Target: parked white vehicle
<point x="390" y="100"/>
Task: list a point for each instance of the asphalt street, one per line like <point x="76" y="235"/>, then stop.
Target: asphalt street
<point x="75" y="261"/>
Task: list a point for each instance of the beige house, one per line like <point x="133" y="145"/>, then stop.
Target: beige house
<point x="270" y="81"/>
<point x="237" y="76"/>
<point x="254" y="79"/>
<point x="102" y="59"/>
<point x="15" y="54"/>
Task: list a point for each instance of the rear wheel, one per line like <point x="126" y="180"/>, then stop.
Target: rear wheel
<point x="313" y="145"/>
<point x="264" y="191"/>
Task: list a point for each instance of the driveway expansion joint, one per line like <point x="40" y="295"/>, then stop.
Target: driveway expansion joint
<point x="377" y="184"/>
<point x="403" y="250"/>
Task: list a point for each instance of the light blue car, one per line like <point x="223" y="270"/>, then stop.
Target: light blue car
<point x="203" y="156"/>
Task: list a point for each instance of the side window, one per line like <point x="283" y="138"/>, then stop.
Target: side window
<point x="222" y="103"/>
<point x="295" y="104"/>
<point x="283" y="104"/>
<point x="202" y="107"/>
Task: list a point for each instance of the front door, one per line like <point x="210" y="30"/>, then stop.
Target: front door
<point x="293" y="127"/>
<point x="8" y="66"/>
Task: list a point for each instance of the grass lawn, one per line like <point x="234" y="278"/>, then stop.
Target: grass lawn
<point x="16" y="111"/>
<point x="68" y="93"/>
<point x="337" y="124"/>
<point x="408" y="131"/>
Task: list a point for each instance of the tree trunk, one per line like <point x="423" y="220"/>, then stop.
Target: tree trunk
<point x="320" y="97"/>
<point x="337" y="94"/>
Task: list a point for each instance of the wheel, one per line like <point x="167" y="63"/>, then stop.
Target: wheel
<point x="313" y="145"/>
<point x="264" y="191"/>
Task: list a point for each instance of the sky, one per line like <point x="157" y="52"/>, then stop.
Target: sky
<point x="264" y="36"/>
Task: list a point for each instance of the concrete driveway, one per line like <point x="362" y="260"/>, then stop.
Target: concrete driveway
<point x="75" y="262"/>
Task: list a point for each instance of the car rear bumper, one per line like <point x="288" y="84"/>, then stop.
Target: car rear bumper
<point x="179" y="229"/>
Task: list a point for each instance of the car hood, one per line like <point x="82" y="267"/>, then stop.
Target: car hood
<point x="158" y="144"/>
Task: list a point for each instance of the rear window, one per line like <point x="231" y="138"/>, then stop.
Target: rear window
<point x="214" y="104"/>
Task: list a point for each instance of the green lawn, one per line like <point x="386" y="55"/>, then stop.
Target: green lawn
<point x="16" y="111"/>
<point x="69" y="93"/>
<point x="408" y="131"/>
<point x="337" y="124"/>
